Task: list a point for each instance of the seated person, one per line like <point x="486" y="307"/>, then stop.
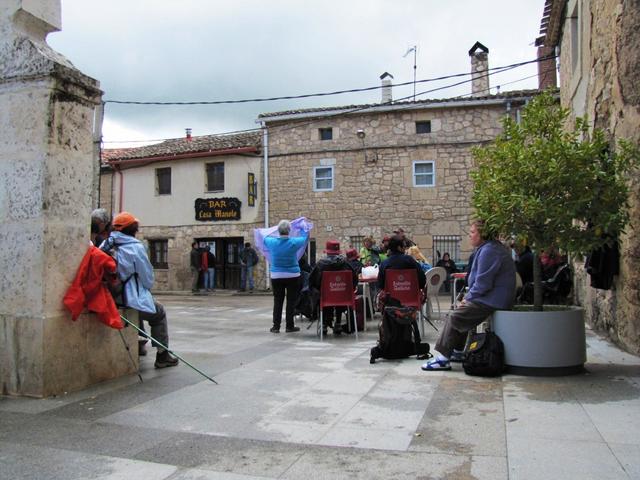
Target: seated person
<point x="450" y="266"/>
<point x="369" y="253"/>
<point x="354" y="260"/>
<point x="415" y="252"/>
<point x="136" y="272"/>
<point x="332" y="262"/>
<point x="524" y="264"/>
<point x="492" y="282"/>
<point x="399" y="260"/>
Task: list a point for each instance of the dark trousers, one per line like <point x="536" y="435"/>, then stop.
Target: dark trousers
<point x="464" y="318"/>
<point x="281" y="287"/>
<point x="158" y="323"/>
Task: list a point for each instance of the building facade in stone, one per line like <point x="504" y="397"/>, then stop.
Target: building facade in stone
<point x="365" y="170"/>
<point x="598" y="42"/>
<point x="202" y="189"/>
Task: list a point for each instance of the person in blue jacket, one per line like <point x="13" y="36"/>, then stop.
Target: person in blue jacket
<point x="285" y="273"/>
<point x="492" y="285"/>
<point x="136" y="273"/>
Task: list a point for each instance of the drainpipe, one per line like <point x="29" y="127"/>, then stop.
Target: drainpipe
<point x="121" y="192"/>
<point x="265" y="152"/>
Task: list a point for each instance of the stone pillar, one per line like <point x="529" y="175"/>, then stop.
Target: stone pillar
<point x="46" y="195"/>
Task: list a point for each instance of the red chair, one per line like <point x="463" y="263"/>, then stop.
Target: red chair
<point x="336" y="290"/>
<point x="403" y="286"/>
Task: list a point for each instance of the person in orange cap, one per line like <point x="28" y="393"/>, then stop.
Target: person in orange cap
<point x="136" y="274"/>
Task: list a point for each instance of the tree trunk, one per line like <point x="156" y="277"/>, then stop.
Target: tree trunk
<point x="537" y="283"/>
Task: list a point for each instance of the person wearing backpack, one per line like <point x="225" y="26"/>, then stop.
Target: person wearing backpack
<point x="248" y="260"/>
<point x="492" y="284"/>
<point x="136" y="274"/>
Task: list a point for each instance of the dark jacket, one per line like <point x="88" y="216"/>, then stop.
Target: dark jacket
<point x="195" y="258"/>
<point x="249" y="257"/>
<point x="448" y="265"/>
<point x="399" y="261"/>
<point x="211" y="260"/>
<point x="330" y="263"/>
<point x="524" y="266"/>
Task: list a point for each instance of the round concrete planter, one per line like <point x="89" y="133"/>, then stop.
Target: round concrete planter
<point x="550" y="342"/>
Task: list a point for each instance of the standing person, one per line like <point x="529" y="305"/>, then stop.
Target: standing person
<point x="248" y="260"/>
<point x="210" y="272"/>
<point x="136" y="273"/>
<point x="492" y="283"/>
<point x="285" y="273"/>
<point x="195" y="267"/>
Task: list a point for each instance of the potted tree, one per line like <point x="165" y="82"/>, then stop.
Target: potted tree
<point x="550" y="184"/>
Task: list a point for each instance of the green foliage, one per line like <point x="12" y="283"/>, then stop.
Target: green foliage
<point x="550" y="185"/>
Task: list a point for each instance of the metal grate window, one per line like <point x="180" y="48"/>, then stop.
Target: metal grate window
<point x="446" y="244"/>
<point x="159" y="252"/>
<point x="356" y="242"/>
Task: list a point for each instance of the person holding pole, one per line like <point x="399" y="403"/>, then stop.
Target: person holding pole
<point x="136" y="274"/>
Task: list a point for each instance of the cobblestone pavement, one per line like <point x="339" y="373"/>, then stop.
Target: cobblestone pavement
<point x="290" y="407"/>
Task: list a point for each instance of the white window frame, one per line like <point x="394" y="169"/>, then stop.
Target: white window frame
<point x="415" y="175"/>
<point x="315" y="178"/>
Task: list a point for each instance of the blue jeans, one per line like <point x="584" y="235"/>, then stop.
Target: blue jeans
<point x="210" y="278"/>
<point x="246" y="271"/>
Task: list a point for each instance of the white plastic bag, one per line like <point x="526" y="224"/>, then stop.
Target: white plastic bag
<point x="370" y="272"/>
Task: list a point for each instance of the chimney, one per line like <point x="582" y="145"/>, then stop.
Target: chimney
<point x="188" y="136"/>
<point x="546" y="68"/>
<point x="479" y="70"/>
<point x="387" y="96"/>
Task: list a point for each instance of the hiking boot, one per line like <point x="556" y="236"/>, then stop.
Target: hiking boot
<point x="292" y="329"/>
<point x="275" y="330"/>
<point x="165" y="359"/>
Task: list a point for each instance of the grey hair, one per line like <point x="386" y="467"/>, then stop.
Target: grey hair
<point x="284" y="227"/>
<point x="100" y="215"/>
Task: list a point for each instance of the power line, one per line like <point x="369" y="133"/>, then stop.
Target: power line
<point x="495" y="71"/>
<point x="321" y="94"/>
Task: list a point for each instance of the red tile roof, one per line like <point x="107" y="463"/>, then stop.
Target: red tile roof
<point x="183" y="147"/>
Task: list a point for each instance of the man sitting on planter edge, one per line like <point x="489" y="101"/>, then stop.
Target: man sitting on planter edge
<point x="492" y="283"/>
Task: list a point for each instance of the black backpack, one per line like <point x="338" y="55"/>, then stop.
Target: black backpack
<point x="112" y="281"/>
<point x="399" y="336"/>
<point x="484" y="355"/>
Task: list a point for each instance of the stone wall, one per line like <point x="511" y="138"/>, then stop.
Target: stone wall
<point x="46" y="195"/>
<point x="604" y="86"/>
<point x="375" y="197"/>
<point x="178" y="276"/>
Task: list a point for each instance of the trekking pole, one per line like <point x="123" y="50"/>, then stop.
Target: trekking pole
<point x="126" y="345"/>
<point x="167" y="349"/>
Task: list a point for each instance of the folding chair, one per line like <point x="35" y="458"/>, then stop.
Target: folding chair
<point x="435" y="278"/>
<point x="403" y="286"/>
<point x="336" y="290"/>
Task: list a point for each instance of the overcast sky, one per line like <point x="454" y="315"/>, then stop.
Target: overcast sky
<point x="208" y="50"/>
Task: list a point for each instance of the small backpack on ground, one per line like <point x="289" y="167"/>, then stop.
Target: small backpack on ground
<point x="484" y="355"/>
<point x="399" y="336"/>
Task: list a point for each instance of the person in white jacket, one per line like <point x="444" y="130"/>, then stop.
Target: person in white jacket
<point x="136" y="273"/>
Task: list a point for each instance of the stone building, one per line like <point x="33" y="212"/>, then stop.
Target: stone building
<point x="598" y="43"/>
<point x="193" y="188"/>
<point x="362" y="170"/>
